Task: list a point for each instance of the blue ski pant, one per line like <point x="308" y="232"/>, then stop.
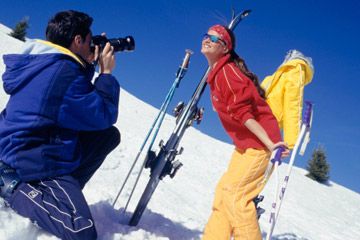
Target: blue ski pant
<point x="57" y="204"/>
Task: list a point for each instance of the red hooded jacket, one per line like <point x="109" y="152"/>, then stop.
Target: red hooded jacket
<point x="236" y="99"/>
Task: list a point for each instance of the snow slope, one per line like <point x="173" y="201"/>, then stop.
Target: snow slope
<point x="180" y="207"/>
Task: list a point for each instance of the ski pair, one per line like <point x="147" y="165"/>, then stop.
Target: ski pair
<point x="275" y="161"/>
<point x="155" y="127"/>
<point x="164" y="162"/>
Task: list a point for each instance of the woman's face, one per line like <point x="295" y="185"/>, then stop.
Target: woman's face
<point x="213" y="47"/>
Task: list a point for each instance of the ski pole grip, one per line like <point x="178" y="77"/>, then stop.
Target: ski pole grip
<point x="186" y="60"/>
<point x="307" y="113"/>
<point x="277" y="157"/>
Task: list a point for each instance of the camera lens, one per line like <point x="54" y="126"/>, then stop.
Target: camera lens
<point x="119" y="44"/>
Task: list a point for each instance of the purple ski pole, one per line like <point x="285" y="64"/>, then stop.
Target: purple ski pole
<point x="302" y="139"/>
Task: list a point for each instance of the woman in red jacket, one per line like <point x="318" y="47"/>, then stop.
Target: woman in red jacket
<point x="239" y="101"/>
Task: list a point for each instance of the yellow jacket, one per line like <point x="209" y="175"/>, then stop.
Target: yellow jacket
<point x="284" y="93"/>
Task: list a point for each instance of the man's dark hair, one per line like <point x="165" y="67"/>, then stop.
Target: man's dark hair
<point x="64" y="26"/>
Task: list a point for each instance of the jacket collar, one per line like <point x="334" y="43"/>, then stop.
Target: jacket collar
<point x="63" y="50"/>
<point x="217" y="66"/>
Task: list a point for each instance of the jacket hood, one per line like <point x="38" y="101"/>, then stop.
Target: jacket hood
<point x="295" y="54"/>
<point x="303" y="65"/>
<point x="35" y="56"/>
<point x="298" y="67"/>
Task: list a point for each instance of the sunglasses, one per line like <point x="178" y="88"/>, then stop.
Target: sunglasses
<point x="213" y="38"/>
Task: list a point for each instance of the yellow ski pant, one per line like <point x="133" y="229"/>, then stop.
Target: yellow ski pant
<point x="233" y="213"/>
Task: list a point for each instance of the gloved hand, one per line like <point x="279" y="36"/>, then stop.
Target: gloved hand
<point x="9" y="180"/>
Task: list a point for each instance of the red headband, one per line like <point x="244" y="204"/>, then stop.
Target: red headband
<point x="225" y="36"/>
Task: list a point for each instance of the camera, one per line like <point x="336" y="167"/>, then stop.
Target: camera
<point x="120" y="44"/>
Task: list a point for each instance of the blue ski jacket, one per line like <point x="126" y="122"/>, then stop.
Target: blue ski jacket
<point x="52" y="98"/>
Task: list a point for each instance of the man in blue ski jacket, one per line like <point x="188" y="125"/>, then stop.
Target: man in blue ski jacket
<point x="57" y="127"/>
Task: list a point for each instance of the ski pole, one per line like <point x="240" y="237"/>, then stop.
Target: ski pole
<point x="305" y="129"/>
<point x="143" y="144"/>
<point x="276" y="161"/>
<point x="180" y="74"/>
<point x="302" y="139"/>
<point x="158" y="120"/>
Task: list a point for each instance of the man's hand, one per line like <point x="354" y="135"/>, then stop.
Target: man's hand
<point x="107" y="59"/>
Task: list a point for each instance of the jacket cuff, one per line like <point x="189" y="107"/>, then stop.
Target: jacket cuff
<point x="246" y="117"/>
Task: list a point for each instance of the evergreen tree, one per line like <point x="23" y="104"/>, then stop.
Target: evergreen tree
<point x="20" y="29"/>
<point x="318" y="167"/>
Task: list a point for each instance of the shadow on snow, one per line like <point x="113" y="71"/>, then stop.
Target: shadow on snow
<point x="284" y="236"/>
<point x="110" y="222"/>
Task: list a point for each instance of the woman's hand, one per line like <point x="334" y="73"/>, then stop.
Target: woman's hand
<point x="286" y="151"/>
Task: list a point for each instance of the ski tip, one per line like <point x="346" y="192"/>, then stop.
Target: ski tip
<point x="246" y="12"/>
<point x="237" y="18"/>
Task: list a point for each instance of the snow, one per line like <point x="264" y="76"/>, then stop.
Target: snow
<point x="180" y="207"/>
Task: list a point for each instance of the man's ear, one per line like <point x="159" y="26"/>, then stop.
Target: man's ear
<point x="77" y="40"/>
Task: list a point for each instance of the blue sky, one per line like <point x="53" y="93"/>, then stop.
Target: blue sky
<point x="326" y="31"/>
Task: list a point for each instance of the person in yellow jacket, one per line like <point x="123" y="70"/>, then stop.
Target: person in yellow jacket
<point x="284" y="93"/>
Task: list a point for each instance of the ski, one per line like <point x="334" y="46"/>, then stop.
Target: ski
<point x="164" y="162"/>
<point x="155" y="127"/>
<point x="302" y="141"/>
